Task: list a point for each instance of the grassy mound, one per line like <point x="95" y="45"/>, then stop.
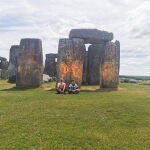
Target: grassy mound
<point x="39" y="119"/>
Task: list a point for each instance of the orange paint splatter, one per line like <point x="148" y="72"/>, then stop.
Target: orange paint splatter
<point x="75" y="68"/>
<point x="108" y="72"/>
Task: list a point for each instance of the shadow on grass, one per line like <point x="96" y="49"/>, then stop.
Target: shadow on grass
<point x="92" y="90"/>
<point x="100" y="90"/>
<point x="18" y="89"/>
<point x="53" y="89"/>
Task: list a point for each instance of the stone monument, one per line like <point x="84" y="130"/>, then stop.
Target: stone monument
<point x="30" y="64"/>
<point x="71" y="53"/>
<point x="109" y="68"/>
<point x="12" y="68"/>
<point x="50" y="65"/>
<point x="3" y="68"/>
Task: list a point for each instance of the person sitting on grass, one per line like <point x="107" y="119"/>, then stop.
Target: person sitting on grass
<point x="61" y="87"/>
<point x="73" y="88"/>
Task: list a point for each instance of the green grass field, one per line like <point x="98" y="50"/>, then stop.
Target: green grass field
<point x="39" y="119"/>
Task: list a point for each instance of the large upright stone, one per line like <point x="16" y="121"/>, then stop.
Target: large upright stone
<point x="3" y="63"/>
<point x="109" y="69"/>
<point x="91" y="36"/>
<point x="12" y="68"/>
<point x="50" y="65"/>
<point x="3" y="74"/>
<point x="3" y="68"/>
<point x="71" y="55"/>
<point x="30" y="63"/>
<point x="95" y="55"/>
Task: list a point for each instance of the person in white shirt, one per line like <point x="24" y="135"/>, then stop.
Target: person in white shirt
<point x="73" y="88"/>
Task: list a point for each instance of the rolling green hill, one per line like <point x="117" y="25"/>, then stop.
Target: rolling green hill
<point x="135" y="77"/>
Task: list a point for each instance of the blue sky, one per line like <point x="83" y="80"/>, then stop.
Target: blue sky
<point x="50" y="20"/>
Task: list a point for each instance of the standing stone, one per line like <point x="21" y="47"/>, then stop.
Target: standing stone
<point x="91" y="36"/>
<point x="50" y="65"/>
<point x="0" y="74"/>
<point x="3" y="74"/>
<point x="85" y="64"/>
<point x="30" y="63"/>
<point x="3" y="68"/>
<point x="95" y="55"/>
<point x="71" y="55"/>
<point x="109" y="69"/>
<point x="12" y="68"/>
<point x="3" y="63"/>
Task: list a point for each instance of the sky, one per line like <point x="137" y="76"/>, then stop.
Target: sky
<point x="51" y="20"/>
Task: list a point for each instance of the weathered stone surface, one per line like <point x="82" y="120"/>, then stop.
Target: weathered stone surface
<point x="3" y="68"/>
<point x="3" y="58"/>
<point x="95" y="55"/>
<point x="71" y="55"/>
<point x="30" y="63"/>
<point x="85" y="64"/>
<point x="91" y="36"/>
<point x="50" y="65"/>
<point x="12" y="68"/>
<point x="118" y="54"/>
<point x="3" y="63"/>
<point x="109" y="69"/>
<point x="100" y="65"/>
<point x="3" y="74"/>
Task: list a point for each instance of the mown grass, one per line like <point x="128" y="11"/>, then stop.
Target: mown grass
<point x="39" y="119"/>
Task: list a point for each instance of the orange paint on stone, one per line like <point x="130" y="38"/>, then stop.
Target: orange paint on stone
<point x="27" y="68"/>
<point x="74" y="68"/>
<point x="108" y="72"/>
